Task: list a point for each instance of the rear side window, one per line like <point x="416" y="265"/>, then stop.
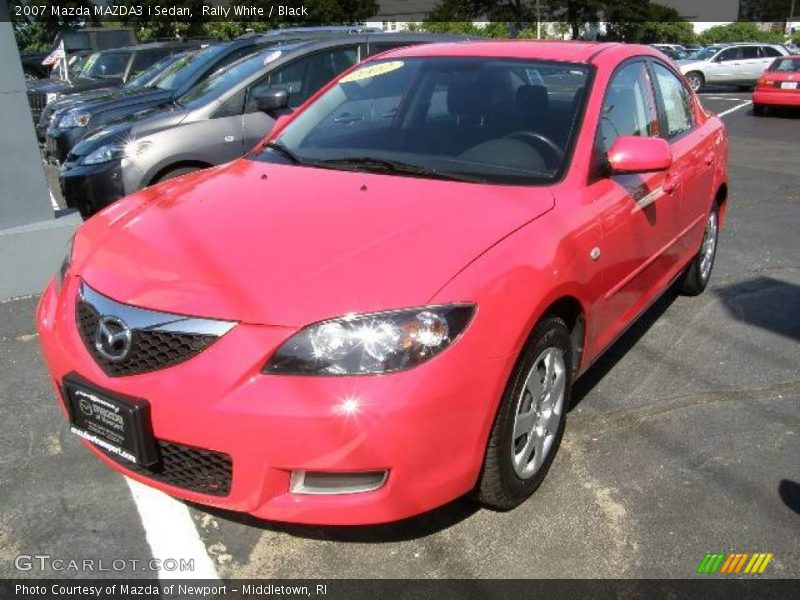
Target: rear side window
<point x="769" y="51"/>
<point x="628" y="107"/>
<point x="750" y="52"/>
<point x="676" y="101"/>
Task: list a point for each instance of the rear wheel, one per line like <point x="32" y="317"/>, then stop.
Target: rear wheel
<point x="758" y="110"/>
<point x="696" y="80"/>
<point x="698" y="273"/>
<point x="530" y="420"/>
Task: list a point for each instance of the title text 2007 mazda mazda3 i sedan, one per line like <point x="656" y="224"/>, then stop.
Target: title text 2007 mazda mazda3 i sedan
<point x="384" y="305"/>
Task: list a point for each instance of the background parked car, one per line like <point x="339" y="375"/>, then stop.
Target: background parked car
<point x="69" y="126"/>
<point x="142" y="80"/>
<point x="107" y="68"/>
<point x="737" y="64"/>
<point x="779" y="85"/>
<point x="217" y="120"/>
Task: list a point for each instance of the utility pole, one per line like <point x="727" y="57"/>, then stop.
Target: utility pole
<point x="539" y="19"/>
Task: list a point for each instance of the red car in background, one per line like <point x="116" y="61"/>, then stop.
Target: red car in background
<point x="384" y="306"/>
<point x="779" y="85"/>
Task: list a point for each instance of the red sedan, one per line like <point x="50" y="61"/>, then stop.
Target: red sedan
<point x="384" y="306"/>
<point x="779" y="85"/>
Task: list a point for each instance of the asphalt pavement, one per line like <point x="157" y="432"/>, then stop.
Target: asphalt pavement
<point x="684" y="439"/>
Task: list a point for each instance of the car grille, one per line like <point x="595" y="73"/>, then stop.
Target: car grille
<point x="37" y="100"/>
<point x="150" y="349"/>
<point x="194" y="469"/>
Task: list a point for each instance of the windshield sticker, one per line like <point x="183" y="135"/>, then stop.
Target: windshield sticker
<point x="372" y="71"/>
<point x="272" y="56"/>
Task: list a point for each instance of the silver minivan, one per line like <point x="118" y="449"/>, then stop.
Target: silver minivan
<point x="735" y="64"/>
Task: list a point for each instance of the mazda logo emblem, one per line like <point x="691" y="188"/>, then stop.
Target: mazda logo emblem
<point x="112" y="338"/>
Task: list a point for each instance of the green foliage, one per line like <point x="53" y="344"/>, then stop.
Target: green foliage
<point x="738" y="32"/>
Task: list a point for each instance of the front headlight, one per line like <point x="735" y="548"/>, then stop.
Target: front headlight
<point x="371" y="343"/>
<point x="51" y="96"/>
<point x="74" y="119"/>
<point x="116" y="150"/>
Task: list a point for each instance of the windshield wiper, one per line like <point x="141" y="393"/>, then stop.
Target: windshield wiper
<point x="395" y="166"/>
<point x="283" y="150"/>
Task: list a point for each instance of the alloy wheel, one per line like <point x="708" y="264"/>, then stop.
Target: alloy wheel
<point x="539" y="411"/>
<point x="709" y="247"/>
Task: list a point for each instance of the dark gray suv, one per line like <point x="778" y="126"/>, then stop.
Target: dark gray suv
<point x="216" y="121"/>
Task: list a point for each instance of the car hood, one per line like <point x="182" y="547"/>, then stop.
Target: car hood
<point x="687" y="65"/>
<point x="134" y="126"/>
<point x="123" y="98"/>
<point x="286" y="245"/>
<point x="70" y="87"/>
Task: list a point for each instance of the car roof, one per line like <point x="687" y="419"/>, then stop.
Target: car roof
<point x="569" y="51"/>
<point x="151" y="45"/>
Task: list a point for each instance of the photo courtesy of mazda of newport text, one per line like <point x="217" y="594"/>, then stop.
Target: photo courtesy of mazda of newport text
<point x="384" y="305"/>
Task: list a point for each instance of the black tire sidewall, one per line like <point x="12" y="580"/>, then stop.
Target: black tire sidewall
<point x="551" y="332"/>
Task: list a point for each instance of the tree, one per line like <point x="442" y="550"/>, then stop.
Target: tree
<point x="38" y="35"/>
<point x="646" y="23"/>
<point x="738" y="32"/>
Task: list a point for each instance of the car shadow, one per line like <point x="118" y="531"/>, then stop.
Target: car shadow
<point x="609" y="359"/>
<point x="789" y="491"/>
<point x="782" y="112"/>
<point x="764" y="302"/>
<point x="416" y="527"/>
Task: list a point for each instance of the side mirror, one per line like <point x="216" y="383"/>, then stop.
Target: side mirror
<point x="634" y="154"/>
<point x="270" y="100"/>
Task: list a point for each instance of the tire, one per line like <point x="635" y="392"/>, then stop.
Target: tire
<point x="696" y="80"/>
<point x="509" y="475"/>
<point x="179" y="172"/>
<point x="698" y="273"/>
<point x="758" y="110"/>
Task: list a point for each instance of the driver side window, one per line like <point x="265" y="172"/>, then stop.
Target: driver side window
<point x="628" y="107"/>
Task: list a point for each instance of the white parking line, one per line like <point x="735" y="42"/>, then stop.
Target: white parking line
<point x="735" y="108"/>
<point x="170" y="533"/>
<point x="728" y="98"/>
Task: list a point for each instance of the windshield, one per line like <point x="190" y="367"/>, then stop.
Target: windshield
<point x="181" y="70"/>
<point x="706" y="53"/>
<point x="221" y="81"/>
<point x="786" y="65"/>
<point x="149" y="74"/>
<point x="107" y="65"/>
<point x="477" y="119"/>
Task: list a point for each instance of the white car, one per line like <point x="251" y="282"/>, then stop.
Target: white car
<point x="736" y="64"/>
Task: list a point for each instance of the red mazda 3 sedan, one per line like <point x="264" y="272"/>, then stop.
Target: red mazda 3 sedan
<point x="384" y="306"/>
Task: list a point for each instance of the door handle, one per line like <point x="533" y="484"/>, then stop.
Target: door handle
<point x="709" y="160"/>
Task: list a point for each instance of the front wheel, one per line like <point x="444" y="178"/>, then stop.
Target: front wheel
<point x="530" y="421"/>
<point x="696" y="81"/>
<point x="698" y="273"/>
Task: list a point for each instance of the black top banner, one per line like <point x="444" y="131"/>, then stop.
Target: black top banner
<point x="315" y="12"/>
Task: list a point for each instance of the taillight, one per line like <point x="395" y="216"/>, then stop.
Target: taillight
<point x="765" y="83"/>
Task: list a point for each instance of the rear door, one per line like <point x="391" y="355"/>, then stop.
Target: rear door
<point x="693" y="162"/>
<point x="751" y="64"/>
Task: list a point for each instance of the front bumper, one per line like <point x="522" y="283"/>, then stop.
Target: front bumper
<point x="427" y="426"/>
<point x="777" y="97"/>
<point x="92" y="186"/>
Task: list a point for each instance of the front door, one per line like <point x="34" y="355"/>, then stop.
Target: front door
<point x="637" y="212"/>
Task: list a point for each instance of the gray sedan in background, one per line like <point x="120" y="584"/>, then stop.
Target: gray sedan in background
<point x="216" y="121"/>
